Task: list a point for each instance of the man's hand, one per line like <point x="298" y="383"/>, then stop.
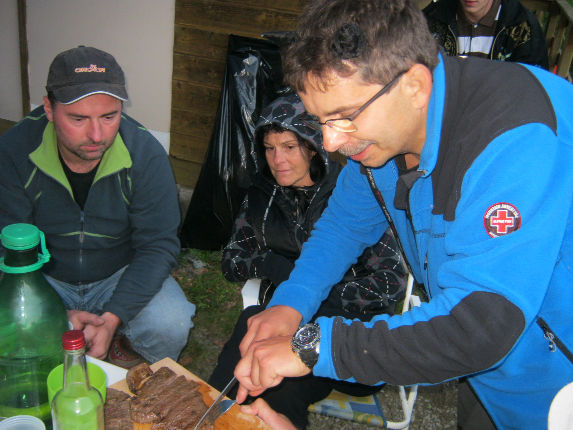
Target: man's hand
<point x="98" y="330"/>
<point x="275" y="420"/>
<point x="265" y="364"/>
<point x="274" y="321"/>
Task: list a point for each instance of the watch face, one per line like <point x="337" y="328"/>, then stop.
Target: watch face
<point x="307" y="335"/>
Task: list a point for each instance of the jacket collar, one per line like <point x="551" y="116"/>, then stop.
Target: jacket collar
<point x="46" y="157"/>
<point x="429" y="155"/>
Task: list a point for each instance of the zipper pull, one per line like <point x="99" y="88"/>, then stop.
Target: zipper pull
<point x="550" y="337"/>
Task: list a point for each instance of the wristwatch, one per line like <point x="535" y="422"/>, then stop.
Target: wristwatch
<point x="306" y="343"/>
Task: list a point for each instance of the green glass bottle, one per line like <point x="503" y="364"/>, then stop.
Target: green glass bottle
<point x="32" y="320"/>
<point x="77" y="406"/>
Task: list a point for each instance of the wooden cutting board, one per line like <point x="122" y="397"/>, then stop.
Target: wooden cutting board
<point x="234" y="419"/>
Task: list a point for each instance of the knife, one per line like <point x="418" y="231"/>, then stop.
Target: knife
<point x="230" y="385"/>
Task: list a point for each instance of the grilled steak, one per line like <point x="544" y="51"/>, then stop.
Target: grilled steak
<point x="167" y="401"/>
<point x="137" y="375"/>
<point x="116" y="410"/>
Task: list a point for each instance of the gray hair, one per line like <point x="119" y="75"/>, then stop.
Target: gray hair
<point x="376" y="38"/>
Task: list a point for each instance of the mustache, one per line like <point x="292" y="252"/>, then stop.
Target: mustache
<point x="353" y="149"/>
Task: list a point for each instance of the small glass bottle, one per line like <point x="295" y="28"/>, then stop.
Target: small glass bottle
<point x="77" y="406"/>
<point x="32" y="320"/>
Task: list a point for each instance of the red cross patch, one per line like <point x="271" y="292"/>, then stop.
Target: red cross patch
<point x="501" y="219"/>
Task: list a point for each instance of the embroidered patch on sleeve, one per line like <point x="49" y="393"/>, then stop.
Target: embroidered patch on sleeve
<point x="501" y="219"/>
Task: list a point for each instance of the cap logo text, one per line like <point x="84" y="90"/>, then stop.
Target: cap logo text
<point x="91" y="68"/>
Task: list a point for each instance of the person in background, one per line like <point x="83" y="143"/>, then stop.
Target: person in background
<point x="285" y="199"/>
<point x="502" y="30"/>
<point x="100" y="187"/>
<point x="471" y="159"/>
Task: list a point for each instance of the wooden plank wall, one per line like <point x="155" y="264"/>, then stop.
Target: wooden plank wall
<point x="200" y="47"/>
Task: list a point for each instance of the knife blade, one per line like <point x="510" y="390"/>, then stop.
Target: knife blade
<point x="227" y="388"/>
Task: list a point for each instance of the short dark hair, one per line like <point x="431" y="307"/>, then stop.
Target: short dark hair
<point x="317" y="164"/>
<point x="52" y="99"/>
<point x="376" y="38"/>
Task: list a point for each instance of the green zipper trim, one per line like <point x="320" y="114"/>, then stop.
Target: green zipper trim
<point x="46" y="158"/>
<point x="77" y="233"/>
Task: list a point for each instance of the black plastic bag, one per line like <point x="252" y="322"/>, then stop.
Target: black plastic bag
<point x="253" y="78"/>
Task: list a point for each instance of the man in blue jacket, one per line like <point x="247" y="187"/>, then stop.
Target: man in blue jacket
<point x="477" y="185"/>
<point x="100" y="187"/>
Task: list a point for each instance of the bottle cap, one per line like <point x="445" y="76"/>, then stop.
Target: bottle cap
<point x="73" y="340"/>
<point x="20" y="236"/>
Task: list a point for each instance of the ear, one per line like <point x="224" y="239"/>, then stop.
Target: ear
<point x="48" y="109"/>
<point x="417" y="84"/>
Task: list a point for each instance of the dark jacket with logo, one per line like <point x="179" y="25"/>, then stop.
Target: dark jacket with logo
<point x="518" y="36"/>
<point x="130" y="216"/>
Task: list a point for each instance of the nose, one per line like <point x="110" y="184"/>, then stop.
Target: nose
<point x="333" y="139"/>
<point x="95" y="131"/>
<point x="278" y="155"/>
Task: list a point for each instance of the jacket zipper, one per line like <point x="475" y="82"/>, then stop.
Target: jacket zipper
<point x="554" y="341"/>
<point x="455" y="39"/>
<point x="81" y="240"/>
<point x="492" y="49"/>
<point x="427" y="274"/>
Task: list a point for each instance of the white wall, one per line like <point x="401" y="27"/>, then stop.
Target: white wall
<point x="10" y="89"/>
<point x="138" y="33"/>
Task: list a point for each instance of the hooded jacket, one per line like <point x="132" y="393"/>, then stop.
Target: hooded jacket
<point x="130" y="216"/>
<point x="518" y="35"/>
<point x="275" y="221"/>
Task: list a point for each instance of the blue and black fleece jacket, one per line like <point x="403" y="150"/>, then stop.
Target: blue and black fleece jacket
<point x="486" y="222"/>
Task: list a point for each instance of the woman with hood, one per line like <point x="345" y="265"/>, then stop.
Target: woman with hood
<point x="287" y="196"/>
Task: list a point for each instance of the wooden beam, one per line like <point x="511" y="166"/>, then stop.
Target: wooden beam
<point x="186" y="172"/>
<point x="23" y="42"/>
<point x="229" y="17"/>
<point x="566" y="58"/>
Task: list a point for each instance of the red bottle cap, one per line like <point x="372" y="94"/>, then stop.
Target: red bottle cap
<point x="73" y="339"/>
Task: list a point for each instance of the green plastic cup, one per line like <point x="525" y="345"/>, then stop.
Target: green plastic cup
<point x="96" y="376"/>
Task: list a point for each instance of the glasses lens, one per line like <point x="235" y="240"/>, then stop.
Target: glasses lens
<point x="343" y="124"/>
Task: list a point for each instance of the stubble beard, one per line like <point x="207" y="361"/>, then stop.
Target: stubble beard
<point x="91" y="155"/>
<point x="81" y="154"/>
<point x="354" y="148"/>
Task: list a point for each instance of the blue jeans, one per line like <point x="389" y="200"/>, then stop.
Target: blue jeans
<point x="159" y="330"/>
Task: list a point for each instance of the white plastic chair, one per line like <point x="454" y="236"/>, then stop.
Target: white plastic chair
<point x="408" y="399"/>
<point x="250" y="294"/>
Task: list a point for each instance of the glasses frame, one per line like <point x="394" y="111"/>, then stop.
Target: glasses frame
<point x="314" y="123"/>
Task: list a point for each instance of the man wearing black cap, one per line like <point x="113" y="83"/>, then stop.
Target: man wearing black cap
<point x="100" y="187"/>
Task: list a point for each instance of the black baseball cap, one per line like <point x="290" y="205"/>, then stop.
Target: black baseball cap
<point x="83" y="71"/>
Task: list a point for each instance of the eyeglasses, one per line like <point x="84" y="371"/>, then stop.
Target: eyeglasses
<point x="346" y="125"/>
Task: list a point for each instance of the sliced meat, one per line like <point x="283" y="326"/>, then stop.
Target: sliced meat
<point x="156" y="382"/>
<point x="185" y="416"/>
<point x="163" y="401"/>
<point x="137" y="375"/>
<point x="154" y="407"/>
<point x="116" y="410"/>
